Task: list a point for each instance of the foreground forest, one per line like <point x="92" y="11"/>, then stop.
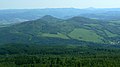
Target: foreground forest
<point x="26" y="55"/>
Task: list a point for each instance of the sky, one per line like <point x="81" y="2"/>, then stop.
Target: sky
<point x="33" y="4"/>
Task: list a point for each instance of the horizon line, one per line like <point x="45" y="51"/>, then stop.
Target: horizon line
<point x="60" y="8"/>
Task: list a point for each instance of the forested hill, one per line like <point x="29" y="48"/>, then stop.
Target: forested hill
<point x="50" y="30"/>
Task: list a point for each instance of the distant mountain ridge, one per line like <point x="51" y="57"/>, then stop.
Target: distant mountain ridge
<point x="21" y="15"/>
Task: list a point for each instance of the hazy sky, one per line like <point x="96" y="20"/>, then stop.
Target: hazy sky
<point x="22" y="4"/>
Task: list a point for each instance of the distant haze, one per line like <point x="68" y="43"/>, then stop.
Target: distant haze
<point x="33" y="4"/>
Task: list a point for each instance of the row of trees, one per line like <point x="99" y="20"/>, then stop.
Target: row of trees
<point x="60" y="61"/>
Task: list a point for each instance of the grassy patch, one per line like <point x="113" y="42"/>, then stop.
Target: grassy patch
<point x="93" y="25"/>
<point x="110" y="34"/>
<point x="58" y="35"/>
<point x="115" y="22"/>
<point x="86" y="35"/>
